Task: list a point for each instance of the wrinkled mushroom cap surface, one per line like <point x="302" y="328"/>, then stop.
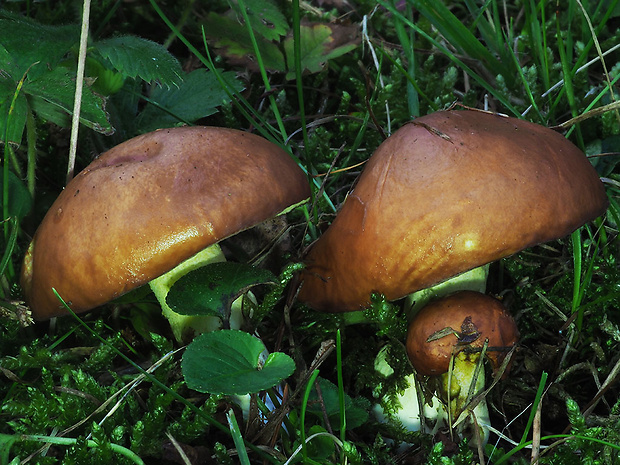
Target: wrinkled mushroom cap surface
<point x="444" y="194"/>
<point x="149" y="203"/>
<point x="480" y="313"/>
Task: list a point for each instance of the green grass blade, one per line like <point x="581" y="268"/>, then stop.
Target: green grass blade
<point x="537" y="399"/>
<point x="459" y="63"/>
<point x="242" y="453"/>
<point x="302" y="413"/>
<point x="458" y="35"/>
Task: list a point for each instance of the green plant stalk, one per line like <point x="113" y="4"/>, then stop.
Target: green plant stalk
<point x="9" y="245"/>
<point x="242" y="453"/>
<point x="407" y="42"/>
<point x="341" y="403"/>
<point x="89" y="443"/>
<point x="526" y="86"/>
<point x="299" y="81"/>
<point x="79" y="85"/>
<point x="31" y="140"/>
<point x="263" y="71"/>
<point x="577" y="251"/>
<point x="210" y="420"/>
<point x="523" y="445"/>
<point x="568" y="80"/>
<point x="537" y="398"/>
<point x="302" y="413"/>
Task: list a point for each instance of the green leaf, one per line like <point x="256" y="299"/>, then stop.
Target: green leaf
<point x="228" y="362"/>
<point x="29" y="42"/>
<point x="198" y="96"/>
<point x="356" y="409"/>
<point x="212" y="289"/>
<point x="138" y="57"/>
<point x="265" y="17"/>
<point x="232" y="40"/>
<point x="319" y="43"/>
<point x="52" y="97"/>
<point x="20" y="201"/>
<point x="6" y="442"/>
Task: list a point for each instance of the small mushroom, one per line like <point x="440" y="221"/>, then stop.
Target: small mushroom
<point x="446" y="338"/>
<point x="149" y="204"/>
<point x="446" y="193"/>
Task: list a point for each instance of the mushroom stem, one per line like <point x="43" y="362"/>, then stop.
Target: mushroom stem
<point x="459" y="385"/>
<point x="185" y="327"/>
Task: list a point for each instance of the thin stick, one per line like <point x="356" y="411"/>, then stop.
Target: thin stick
<point x="79" y="84"/>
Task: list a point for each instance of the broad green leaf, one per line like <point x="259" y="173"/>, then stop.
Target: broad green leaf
<point x="52" y="96"/>
<point x="211" y="290"/>
<point x="232" y="40"/>
<point x="265" y="17"/>
<point x="318" y="45"/>
<point x="198" y="96"/>
<point x="229" y="362"/>
<point x="356" y="410"/>
<point x="138" y="57"/>
<point x="29" y="42"/>
<point x="20" y="201"/>
<point x="6" y="442"/>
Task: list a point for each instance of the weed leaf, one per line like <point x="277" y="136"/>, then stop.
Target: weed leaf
<point x="52" y="97"/>
<point x="228" y="362"/>
<point x="212" y="289"/>
<point x="266" y="19"/>
<point x="319" y="43"/>
<point x="197" y="96"/>
<point x="138" y="57"/>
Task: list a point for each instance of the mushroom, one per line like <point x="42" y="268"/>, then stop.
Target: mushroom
<point x="149" y="204"/>
<point x="446" y="338"/>
<point x="446" y="193"/>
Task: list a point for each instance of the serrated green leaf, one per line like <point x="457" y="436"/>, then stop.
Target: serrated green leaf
<point x="211" y="290"/>
<point x="318" y="45"/>
<point x="232" y="40"/>
<point x="228" y="362"/>
<point x="29" y="42"/>
<point x="52" y="97"/>
<point x="138" y="57"/>
<point x="198" y="96"/>
<point x="265" y="17"/>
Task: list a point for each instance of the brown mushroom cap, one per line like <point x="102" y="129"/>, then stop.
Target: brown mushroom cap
<point x="444" y="194"/>
<point x="149" y="203"/>
<point x="468" y="313"/>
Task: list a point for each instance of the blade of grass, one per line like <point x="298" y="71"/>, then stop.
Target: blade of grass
<point x="263" y="71"/>
<point x="302" y="414"/>
<point x="459" y="36"/>
<point x="407" y="41"/>
<point x="299" y="81"/>
<point x="539" y="394"/>
<point x="452" y="57"/>
<point x="341" y="402"/>
<point x="237" y="438"/>
<point x="577" y="251"/>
